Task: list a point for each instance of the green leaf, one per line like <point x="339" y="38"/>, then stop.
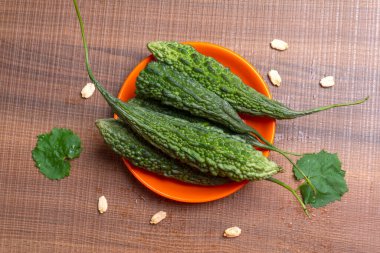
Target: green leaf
<point x="53" y="150"/>
<point x="324" y="171"/>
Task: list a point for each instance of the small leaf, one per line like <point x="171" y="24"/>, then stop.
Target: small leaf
<point x="324" y="171"/>
<point x="53" y="150"/>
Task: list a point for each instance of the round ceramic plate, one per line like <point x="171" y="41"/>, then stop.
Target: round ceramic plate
<point x="190" y="193"/>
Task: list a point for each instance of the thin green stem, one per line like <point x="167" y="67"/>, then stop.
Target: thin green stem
<point x="293" y="191"/>
<point x="256" y="141"/>
<point x="322" y="108"/>
<point x="98" y="85"/>
<point x="84" y="40"/>
<point x="301" y="172"/>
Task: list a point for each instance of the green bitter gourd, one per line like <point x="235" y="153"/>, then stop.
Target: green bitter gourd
<point x="126" y="143"/>
<point x="157" y="107"/>
<point x="219" y="79"/>
<point x="161" y="82"/>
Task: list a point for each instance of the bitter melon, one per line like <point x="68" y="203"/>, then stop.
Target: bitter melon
<point x="219" y="79"/>
<point x="161" y="82"/>
<point x="124" y="142"/>
<point x="205" y="149"/>
<point x="157" y="107"/>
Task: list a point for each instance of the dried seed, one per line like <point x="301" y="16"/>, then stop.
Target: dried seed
<point x="232" y="232"/>
<point x="279" y="45"/>
<point x="88" y="90"/>
<point x="274" y="77"/>
<point x="327" y="82"/>
<point x="158" y="217"/>
<point x="102" y="204"/>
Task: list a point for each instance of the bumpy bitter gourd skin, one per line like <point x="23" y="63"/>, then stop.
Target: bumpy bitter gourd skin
<point x="124" y="142"/>
<point x="160" y="108"/>
<point x="219" y="79"/>
<point x="163" y="83"/>
<point x="202" y="148"/>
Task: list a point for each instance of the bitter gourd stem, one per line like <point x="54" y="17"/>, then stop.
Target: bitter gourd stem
<point x="257" y="137"/>
<point x="284" y="154"/>
<point x="289" y="188"/>
<point x="300" y="171"/>
<point x="101" y="89"/>
<point x="323" y="108"/>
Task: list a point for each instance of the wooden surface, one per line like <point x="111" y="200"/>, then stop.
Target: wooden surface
<point x="42" y="72"/>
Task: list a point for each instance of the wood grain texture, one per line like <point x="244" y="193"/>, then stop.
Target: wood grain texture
<point x="41" y="75"/>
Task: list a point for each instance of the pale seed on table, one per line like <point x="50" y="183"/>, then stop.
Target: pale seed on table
<point x="102" y="204"/>
<point x="274" y="77"/>
<point x="232" y="232"/>
<point x="327" y="82"/>
<point x="279" y="45"/>
<point x="88" y="90"/>
<point x="158" y="217"/>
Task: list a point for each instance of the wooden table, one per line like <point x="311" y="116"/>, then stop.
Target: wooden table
<point x="42" y="72"/>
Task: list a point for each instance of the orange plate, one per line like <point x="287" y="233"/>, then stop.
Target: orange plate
<point x="189" y="193"/>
